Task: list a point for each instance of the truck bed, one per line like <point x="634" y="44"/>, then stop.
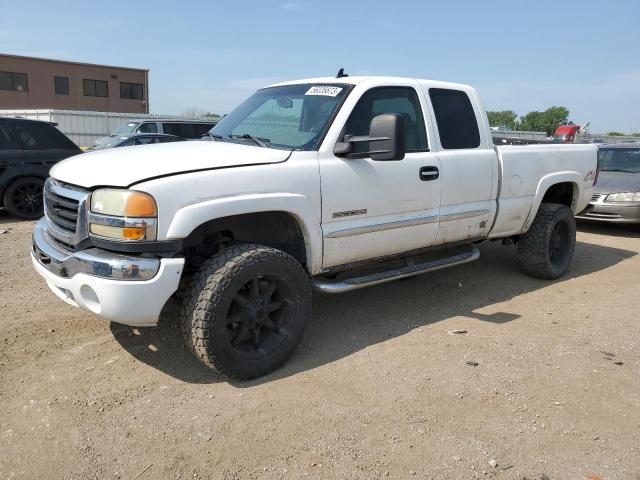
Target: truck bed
<point x="524" y="172"/>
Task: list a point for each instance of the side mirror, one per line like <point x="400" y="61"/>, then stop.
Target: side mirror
<point x="386" y="140"/>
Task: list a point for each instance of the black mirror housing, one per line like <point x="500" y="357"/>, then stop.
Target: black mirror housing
<point x="386" y="140"/>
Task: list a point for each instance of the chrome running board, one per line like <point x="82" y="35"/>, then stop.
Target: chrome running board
<point x="410" y="269"/>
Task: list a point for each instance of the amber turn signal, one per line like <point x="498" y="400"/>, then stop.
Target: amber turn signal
<point x="139" y="204"/>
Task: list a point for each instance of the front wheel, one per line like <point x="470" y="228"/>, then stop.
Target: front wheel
<point x="245" y="310"/>
<point x="546" y="250"/>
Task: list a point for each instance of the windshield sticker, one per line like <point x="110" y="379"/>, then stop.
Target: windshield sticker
<point x="324" y="90"/>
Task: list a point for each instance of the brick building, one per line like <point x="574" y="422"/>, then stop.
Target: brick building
<point x="36" y="83"/>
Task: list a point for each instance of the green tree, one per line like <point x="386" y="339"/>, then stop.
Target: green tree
<point x="504" y="117"/>
<point x="615" y="134"/>
<point x="532" y="121"/>
<point x="546" y="121"/>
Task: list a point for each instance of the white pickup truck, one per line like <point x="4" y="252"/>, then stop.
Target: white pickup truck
<point x="330" y="183"/>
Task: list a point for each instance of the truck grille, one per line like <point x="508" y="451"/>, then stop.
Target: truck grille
<point x="64" y="208"/>
<point x="62" y="211"/>
<point x="596" y="197"/>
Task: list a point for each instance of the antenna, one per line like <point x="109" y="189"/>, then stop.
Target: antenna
<point x="341" y="73"/>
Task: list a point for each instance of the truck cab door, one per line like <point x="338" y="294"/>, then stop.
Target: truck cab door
<point x="373" y="208"/>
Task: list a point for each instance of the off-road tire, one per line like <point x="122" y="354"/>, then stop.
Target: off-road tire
<point x="542" y="251"/>
<point x="23" y="198"/>
<point x="211" y="293"/>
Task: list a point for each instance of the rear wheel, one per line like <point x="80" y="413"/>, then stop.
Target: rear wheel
<point x="23" y="198"/>
<point x="546" y="250"/>
<point x="245" y="310"/>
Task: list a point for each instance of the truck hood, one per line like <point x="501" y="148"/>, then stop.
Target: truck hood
<point x="125" y="166"/>
<point x="617" y="182"/>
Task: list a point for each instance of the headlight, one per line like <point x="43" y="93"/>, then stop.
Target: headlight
<point x="624" y="197"/>
<point x="124" y="215"/>
<point x="123" y="203"/>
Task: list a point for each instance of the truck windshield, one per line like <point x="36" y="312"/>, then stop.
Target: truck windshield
<point x="560" y="138"/>
<point x="291" y="117"/>
<point x="619" y="160"/>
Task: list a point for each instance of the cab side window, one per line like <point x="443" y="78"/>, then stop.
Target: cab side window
<point x="401" y="100"/>
<point x="457" y="123"/>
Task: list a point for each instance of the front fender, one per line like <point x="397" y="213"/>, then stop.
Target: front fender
<point x="188" y="218"/>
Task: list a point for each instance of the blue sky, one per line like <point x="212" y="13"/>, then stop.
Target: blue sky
<point x="521" y="55"/>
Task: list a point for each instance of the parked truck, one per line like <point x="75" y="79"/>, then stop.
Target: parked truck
<point x="327" y="183"/>
<point x="565" y="134"/>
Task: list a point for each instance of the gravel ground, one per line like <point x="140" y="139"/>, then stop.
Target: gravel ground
<point x="378" y="389"/>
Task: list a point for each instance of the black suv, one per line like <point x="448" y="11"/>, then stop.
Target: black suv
<point x="28" y="150"/>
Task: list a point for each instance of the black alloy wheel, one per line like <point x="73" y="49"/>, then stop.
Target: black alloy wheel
<point x="258" y="319"/>
<point x="23" y="198"/>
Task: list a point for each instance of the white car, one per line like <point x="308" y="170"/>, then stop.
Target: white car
<point x="330" y="183"/>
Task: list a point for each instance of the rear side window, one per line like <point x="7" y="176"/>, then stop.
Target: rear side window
<point x="457" y="123"/>
<point x="40" y="136"/>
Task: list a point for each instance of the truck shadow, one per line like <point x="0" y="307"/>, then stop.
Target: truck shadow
<point x="344" y="324"/>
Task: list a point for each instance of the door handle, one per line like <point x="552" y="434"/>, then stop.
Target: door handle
<point x="427" y="174"/>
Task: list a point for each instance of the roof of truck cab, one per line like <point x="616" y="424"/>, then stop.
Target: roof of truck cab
<point x="379" y="79"/>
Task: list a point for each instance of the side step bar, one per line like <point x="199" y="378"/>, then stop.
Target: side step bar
<point x="410" y="270"/>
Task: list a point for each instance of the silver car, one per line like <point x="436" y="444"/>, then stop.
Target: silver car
<point x="618" y="185"/>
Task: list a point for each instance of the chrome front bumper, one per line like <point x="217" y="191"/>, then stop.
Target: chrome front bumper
<point x="124" y="289"/>
<point x="92" y="261"/>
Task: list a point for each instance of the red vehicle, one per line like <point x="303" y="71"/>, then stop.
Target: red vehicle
<point x="566" y="134"/>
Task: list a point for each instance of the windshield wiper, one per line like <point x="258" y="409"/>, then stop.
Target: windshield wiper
<point x="262" y="142"/>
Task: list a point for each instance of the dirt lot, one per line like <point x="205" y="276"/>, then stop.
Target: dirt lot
<point x="378" y="389"/>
